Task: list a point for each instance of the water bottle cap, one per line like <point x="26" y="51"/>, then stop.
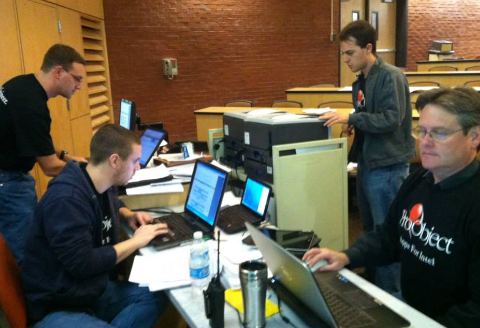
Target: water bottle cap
<point x="198" y="235"/>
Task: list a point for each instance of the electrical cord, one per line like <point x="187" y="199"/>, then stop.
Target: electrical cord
<point x="284" y="318"/>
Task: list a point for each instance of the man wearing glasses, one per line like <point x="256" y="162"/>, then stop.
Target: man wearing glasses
<point x="25" y="137"/>
<point x="433" y="226"/>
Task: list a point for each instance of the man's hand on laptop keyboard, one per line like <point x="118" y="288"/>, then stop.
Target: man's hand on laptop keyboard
<point x="135" y="219"/>
<point x="145" y="233"/>
<point x="335" y="260"/>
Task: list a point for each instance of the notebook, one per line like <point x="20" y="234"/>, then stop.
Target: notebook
<point x="329" y="296"/>
<point x="150" y="141"/>
<point x="252" y="208"/>
<point x="201" y="207"/>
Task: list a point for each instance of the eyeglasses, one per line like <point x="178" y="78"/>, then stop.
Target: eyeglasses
<point x="436" y="135"/>
<point x="79" y="79"/>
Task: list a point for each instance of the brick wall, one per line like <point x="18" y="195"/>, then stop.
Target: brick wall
<point x="453" y="20"/>
<point x="226" y="49"/>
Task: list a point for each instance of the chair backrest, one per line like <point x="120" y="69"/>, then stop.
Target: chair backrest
<point x="239" y="103"/>
<point x="474" y="83"/>
<point x="336" y="104"/>
<point x="11" y="291"/>
<point x="472" y="68"/>
<point x="442" y="69"/>
<point x="287" y="104"/>
<point x="324" y="85"/>
<point x="424" y="84"/>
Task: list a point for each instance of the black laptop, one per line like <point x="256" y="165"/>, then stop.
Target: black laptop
<point x="329" y="296"/>
<point x="252" y="208"/>
<point x="150" y="141"/>
<point x="201" y="208"/>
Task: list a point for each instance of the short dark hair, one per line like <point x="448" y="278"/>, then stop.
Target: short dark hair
<point x="112" y="139"/>
<point x="61" y="55"/>
<point x="362" y="32"/>
<point x="463" y="102"/>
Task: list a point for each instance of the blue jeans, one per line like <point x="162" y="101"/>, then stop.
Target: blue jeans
<point x="17" y="206"/>
<point x="376" y="190"/>
<point x="122" y="305"/>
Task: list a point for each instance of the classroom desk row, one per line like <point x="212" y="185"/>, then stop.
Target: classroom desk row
<point x="312" y="97"/>
<point x="461" y="65"/>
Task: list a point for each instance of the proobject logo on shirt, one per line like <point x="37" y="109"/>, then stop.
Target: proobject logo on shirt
<point x="360" y="99"/>
<point x="413" y="222"/>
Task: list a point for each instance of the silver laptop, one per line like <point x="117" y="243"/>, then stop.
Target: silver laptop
<point x="331" y="297"/>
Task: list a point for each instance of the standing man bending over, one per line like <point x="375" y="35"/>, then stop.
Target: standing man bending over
<point x="25" y="137"/>
<point x="72" y="246"/>
<point x="433" y="226"/>
<point x="383" y="143"/>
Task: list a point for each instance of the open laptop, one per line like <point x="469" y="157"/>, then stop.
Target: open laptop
<point x="329" y="296"/>
<point x="150" y="141"/>
<point x="252" y="208"/>
<point x="201" y="208"/>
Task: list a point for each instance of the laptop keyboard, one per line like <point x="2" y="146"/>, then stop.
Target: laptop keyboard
<point x="233" y="218"/>
<point x="344" y="313"/>
<point x="178" y="227"/>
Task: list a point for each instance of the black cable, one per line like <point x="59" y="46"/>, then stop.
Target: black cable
<point x="284" y="318"/>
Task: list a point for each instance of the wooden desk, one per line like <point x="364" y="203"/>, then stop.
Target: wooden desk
<point x="444" y="78"/>
<point x="461" y="65"/>
<point x="212" y="118"/>
<point x="156" y="200"/>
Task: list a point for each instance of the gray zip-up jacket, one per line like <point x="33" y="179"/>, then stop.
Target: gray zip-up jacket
<point x="387" y="119"/>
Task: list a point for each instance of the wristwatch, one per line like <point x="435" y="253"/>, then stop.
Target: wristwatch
<point x="63" y="153"/>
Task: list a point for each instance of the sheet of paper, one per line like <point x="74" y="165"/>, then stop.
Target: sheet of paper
<point x="168" y="266"/>
<point x="156" y="188"/>
<point x="263" y="111"/>
<point x="182" y="170"/>
<point x="349" y="88"/>
<point x="288" y="117"/>
<point x="229" y="199"/>
<point x="318" y="111"/>
<point x="155" y="172"/>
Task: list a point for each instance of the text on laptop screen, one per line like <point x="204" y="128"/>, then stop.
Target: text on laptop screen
<point x="206" y="192"/>
<point x="149" y="141"/>
<point x="255" y="196"/>
<point x="127" y="115"/>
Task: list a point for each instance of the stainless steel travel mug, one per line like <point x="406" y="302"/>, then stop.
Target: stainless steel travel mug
<point x="253" y="279"/>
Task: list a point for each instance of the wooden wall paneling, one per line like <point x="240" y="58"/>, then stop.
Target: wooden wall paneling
<point x="10" y="53"/>
<point x="346" y="75"/>
<point x="71" y="34"/>
<point x="89" y="7"/>
<point x="81" y="128"/>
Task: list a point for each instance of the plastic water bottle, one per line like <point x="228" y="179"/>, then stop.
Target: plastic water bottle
<point x="199" y="263"/>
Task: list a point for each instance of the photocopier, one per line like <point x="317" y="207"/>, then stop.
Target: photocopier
<point x="250" y="135"/>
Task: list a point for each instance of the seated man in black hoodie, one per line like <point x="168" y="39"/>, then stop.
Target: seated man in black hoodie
<point x="72" y="246"/>
<point x="433" y="226"/>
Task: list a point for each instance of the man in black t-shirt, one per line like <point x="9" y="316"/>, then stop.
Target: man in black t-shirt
<point x="433" y="225"/>
<point x="25" y="137"/>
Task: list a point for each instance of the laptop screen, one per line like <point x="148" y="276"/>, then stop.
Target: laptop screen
<point x="150" y="140"/>
<point x="206" y="191"/>
<point x="256" y="196"/>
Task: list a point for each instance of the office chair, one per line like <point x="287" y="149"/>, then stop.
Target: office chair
<point x="287" y="104"/>
<point x="474" y="83"/>
<point x="472" y="68"/>
<point x="336" y="104"/>
<point x="11" y="291"/>
<point x="443" y="69"/>
<point x="424" y="84"/>
<point x="324" y="85"/>
<point x="239" y="103"/>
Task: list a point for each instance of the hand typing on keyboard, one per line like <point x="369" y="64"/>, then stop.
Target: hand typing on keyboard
<point x="145" y="233"/>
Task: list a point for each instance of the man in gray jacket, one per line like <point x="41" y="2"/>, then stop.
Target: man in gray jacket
<point x="382" y="120"/>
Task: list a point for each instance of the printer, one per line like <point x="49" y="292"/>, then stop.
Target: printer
<point x="233" y="130"/>
<point x="261" y="132"/>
